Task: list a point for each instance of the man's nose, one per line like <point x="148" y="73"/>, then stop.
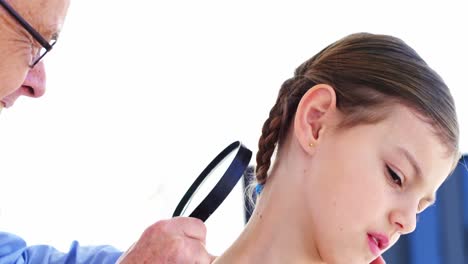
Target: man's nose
<point x="35" y="83"/>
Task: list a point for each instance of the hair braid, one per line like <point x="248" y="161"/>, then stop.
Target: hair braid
<point x="274" y="128"/>
<point x="269" y="138"/>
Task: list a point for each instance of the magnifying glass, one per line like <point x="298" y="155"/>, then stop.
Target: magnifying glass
<point x="208" y="198"/>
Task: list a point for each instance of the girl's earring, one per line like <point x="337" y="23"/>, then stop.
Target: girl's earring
<point x="311" y="145"/>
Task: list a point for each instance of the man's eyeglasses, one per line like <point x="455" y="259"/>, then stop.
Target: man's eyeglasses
<point x="46" y="46"/>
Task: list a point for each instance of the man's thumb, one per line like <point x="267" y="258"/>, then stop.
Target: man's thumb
<point x="212" y="258"/>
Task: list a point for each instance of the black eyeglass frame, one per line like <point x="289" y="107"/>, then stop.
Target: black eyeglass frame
<point x="36" y="35"/>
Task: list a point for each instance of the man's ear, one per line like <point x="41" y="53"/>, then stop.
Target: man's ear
<point x="313" y="115"/>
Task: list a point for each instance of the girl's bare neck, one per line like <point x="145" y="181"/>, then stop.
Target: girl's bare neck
<point x="273" y="234"/>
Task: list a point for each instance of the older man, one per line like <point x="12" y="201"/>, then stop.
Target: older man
<point x="28" y="30"/>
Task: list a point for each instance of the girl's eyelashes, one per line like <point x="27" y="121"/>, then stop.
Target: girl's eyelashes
<point x="394" y="176"/>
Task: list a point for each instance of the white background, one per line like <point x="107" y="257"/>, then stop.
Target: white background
<point x="143" y="94"/>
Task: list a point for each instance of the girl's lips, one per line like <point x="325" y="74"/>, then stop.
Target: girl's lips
<point x="381" y="239"/>
<point x="373" y="245"/>
<point x="377" y="242"/>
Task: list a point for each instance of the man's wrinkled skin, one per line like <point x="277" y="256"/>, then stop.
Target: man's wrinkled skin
<point x="17" y="47"/>
<point x="172" y="241"/>
<point x="181" y="239"/>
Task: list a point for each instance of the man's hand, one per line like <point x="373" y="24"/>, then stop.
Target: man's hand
<point x="178" y="240"/>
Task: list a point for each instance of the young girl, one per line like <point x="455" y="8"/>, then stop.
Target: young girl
<point x="365" y="132"/>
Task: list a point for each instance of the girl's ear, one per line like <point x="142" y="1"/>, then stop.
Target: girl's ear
<point x="313" y="115"/>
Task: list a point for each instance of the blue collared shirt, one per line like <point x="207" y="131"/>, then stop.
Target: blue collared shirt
<point x="13" y="249"/>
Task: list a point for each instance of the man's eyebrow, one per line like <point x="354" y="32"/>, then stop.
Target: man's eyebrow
<point x="417" y="169"/>
<point x="54" y="34"/>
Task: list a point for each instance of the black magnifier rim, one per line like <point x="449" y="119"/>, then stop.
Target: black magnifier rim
<point x="222" y="188"/>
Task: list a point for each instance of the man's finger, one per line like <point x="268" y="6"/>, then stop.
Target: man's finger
<point x="191" y="227"/>
<point x="194" y="249"/>
<point x="212" y="258"/>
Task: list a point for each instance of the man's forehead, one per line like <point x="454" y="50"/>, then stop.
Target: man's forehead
<point x="49" y="16"/>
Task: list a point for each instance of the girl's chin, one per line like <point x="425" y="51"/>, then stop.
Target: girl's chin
<point x="378" y="260"/>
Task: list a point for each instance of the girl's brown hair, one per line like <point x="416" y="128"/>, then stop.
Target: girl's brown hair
<point x="368" y="72"/>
